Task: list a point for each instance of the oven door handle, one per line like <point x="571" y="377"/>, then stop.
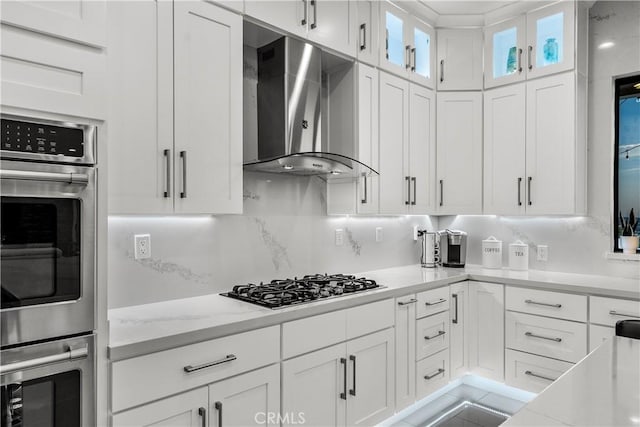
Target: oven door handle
<point x="69" y="178"/>
<point x="71" y="354"/>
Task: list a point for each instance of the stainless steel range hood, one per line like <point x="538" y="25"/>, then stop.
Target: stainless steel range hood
<point x="289" y="122"/>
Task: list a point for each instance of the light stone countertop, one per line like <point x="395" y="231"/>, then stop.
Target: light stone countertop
<point x="148" y="328"/>
<point x="601" y="390"/>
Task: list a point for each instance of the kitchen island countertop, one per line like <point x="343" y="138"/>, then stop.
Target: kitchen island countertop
<point x="148" y="328"/>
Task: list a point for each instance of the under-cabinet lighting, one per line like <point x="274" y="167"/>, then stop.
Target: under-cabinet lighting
<point x="606" y="45"/>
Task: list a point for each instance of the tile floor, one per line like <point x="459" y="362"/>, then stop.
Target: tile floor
<point x="482" y="409"/>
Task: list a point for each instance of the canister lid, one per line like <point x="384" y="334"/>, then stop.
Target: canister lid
<point x="518" y="243"/>
<point x="491" y="239"/>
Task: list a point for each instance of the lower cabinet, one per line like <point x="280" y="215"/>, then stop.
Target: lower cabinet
<point x="405" y="351"/>
<point x="531" y="372"/>
<point x="459" y="329"/>
<point x="346" y="384"/>
<point x="432" y="373"/>
<point x="486" y="330"/>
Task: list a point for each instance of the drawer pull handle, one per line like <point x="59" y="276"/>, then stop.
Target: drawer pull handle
<point x="533" y="374"/>
<point x="546" y="304"/>
<point x="439" y="334"/>
<point x="440" y="301"/>
<point x="411" y="301"/>
<point x="615" y="313"/>
<point x="438" y="372"/>
<point x="530" y="334"/>
<point x="228" y="358"/>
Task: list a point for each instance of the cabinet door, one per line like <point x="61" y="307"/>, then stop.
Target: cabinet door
<point x="460" y="59"/>
<point x="287" y="15"/>
<point x="405" y="351"/>
<point x="423" y="52"/>
<point x="247" y="399"/>
<point x="183" y="410"/>
<point x="394" y="140"/>
<point x="504" y="150"/>
<point x="486" y="330"/>
<point x="315" y="385"/>
<point x="332" y="24"/>
<point x="370" y="378"/>
<point x="208" y="108"/>
<point x="422" y="149"/>
<point x="140" y="100"/>
<point x="393" y="44"/>
<point x="459" y="153"/>
<point x="551" y="39"/>
<point x="551" y="145"/>
<point x="368" y="149"/>
<point x="504" y="50"/>
<point x="368" y="31"/>
<point x="458" y="332"/>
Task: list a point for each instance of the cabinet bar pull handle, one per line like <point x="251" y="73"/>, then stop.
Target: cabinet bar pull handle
<point x="183" y="156"/>
<point x="304" y="17"/>
<point x="314" y="3"/>
<point x="386" y="44"/>
<point x="529" y="191"/>
<point x="408" y="179"/>
<point x="441" y="70"/>
<point x="413" y="179"/>
<point x="519" y="60"/>
<point x="218" y="406"/>
<point x="407" y="56"/>
<point x="343" y="395"/>
<point x="529" y="50"/>
<point x="364" y="200"/>
<point x="533" y="374"/>
<point x="531" y="334"/>
<point x="228" y="358"/>
<point x="438" y="372"/>
<point x="441" y="192"/>
<point x="411" y="301"/>
<point x="167" y="156"/>
<point x="439" y="334"/>
<point x="352" y="392"/>
<point x="363" y="34"/>
<point x="413" y="56"/>
<point x="615" y="313"/>
<point x="519" y="185"/>
<point x="440" y="301"/>
<point x="455" y="319"/>
<point x="202" y="412"/>
<point x="546" y="304"/>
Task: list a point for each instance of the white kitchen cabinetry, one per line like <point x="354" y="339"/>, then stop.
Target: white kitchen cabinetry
<point x="459" y="329"/>
<point x="532" y="373"/>
<point x="459" y="153"/>
<point x="405" y="351"/>
<point x="486" y="330"/>
<point x="535" y="160"/>
<point x="329" y="23"/>
<point x="407" y="151"/>
<point x="184" y="129"/>
<point x="407" y="45"/>
<point x="368" y="32"/>
<point x="459" y="59"/>
<point x="604" y="313"/>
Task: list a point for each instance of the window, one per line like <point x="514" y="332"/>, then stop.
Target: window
<point x="627" y="160"/>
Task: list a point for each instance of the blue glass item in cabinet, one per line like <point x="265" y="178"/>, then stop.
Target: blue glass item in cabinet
<point x="422" y="45"/>
<point x="395" y="39"/>
<point x="505" y="52"/>
<point x="511" y="60"/>
<point x="549" y="40"/>
<point x="551" y="51"/>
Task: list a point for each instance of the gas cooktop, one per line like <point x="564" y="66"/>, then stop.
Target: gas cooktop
<point x="287" y="292"/>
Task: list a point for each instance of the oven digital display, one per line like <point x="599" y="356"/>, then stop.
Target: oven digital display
<point x="37" y="138"/>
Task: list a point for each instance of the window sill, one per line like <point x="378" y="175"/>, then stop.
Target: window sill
<point x="622" y="257"/>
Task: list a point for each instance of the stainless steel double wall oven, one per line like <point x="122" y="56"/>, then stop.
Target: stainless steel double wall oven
<point x="47" y="273"/>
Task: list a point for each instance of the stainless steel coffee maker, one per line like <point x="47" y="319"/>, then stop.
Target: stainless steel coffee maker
<point x="430" y="257"/>
<point x="453" y="248"/>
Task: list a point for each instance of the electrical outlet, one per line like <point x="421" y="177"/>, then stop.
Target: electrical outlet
<point x="543" y="253"/>
<point x="378" y="234"/>
<point x="339" y="237"/>
<point x="142" y="246"/>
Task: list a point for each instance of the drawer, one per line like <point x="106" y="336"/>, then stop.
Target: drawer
<point x="530" y="372"/>
<point x="432" y="301"/>
<point x="305" y="335"/>
<point x="432" y="373"/>
<point x="598" y="335"/>
<point x="555" y="338"/>
<point x="607" y="311"/>
<point x="545" y="303"/>
<point x="432" y="334"/>
<point x="369" y="318"/>
<point x="150" y="377"/>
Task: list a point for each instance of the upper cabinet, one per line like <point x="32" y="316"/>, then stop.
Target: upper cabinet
<point x="540" y="43"/>
<point x="407" y="45"/>
<point x="329" y="23"/>
<point x="368" y="33"/>
<point x="459" y="59"/>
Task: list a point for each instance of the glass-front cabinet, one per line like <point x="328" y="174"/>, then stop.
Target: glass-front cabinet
<point x="532" y="45"/>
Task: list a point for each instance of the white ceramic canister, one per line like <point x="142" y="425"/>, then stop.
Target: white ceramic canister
<point x="518" y="256"/>
<point x="492" y="253"/>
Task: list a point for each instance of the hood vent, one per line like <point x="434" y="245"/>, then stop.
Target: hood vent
<point x="289" y="102"/>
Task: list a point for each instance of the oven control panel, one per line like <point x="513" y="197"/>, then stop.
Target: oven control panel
<point x="28" y="137"/>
